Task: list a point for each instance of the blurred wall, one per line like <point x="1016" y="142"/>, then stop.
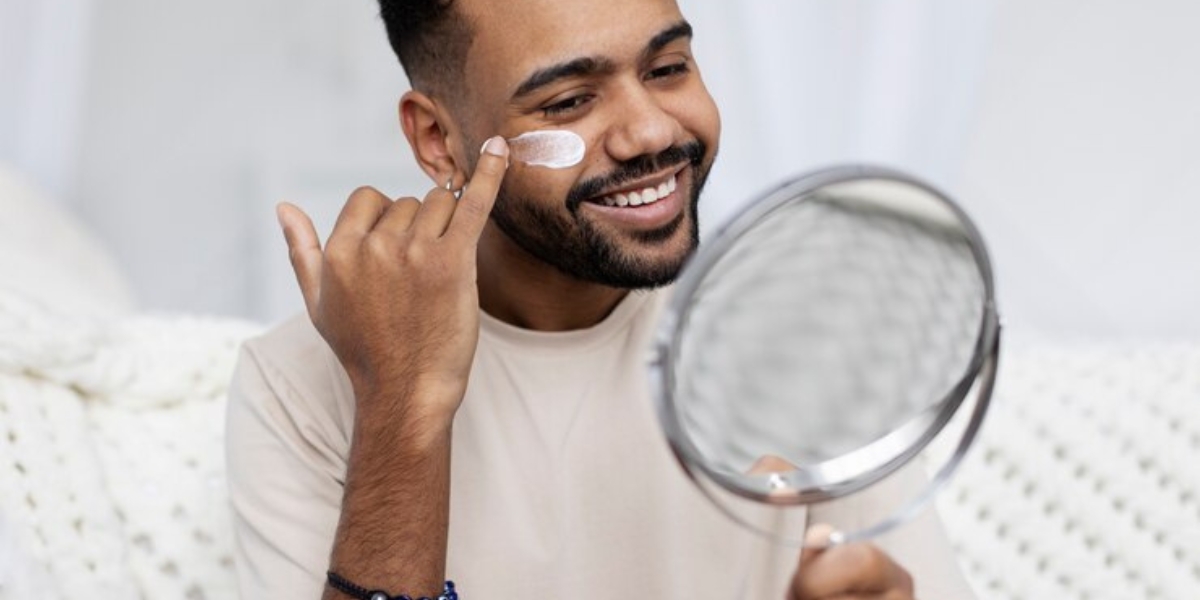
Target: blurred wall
<point x="202" y="115"/>
<point x="1067" y="129"/>
<point x="1083" y="166"/>
<point x="44" y="55"/>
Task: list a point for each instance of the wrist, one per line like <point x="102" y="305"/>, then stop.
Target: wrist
<point x="417" y="413"/>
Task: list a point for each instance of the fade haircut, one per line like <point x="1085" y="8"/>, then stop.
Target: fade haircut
<point x="431" y="39"/>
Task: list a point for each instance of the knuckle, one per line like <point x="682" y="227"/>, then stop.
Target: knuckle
<point x="878" y="561"/>
<point x="439" y="195"/>
<point x="378" y="246"/>
<point x="491" y="165"/>
<point x="337" y="255"/>
<point x="364" y="192"/>
<point x="474" y="209"/>
<point x="867" y="556"/>
<point x="415" y="254"/>
<point x="875" y="559"/>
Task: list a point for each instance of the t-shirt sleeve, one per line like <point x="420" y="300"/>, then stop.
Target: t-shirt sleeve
<point x="285" y="484"/>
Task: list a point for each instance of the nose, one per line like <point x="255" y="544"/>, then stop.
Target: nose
<point x="640" y="126"/>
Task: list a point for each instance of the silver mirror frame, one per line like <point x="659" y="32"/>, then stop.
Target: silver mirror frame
<point x="844" y="475"/>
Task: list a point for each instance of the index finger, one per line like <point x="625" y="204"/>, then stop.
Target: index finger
<point x="476" y="203"/>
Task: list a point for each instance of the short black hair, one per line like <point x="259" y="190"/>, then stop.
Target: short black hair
<point x="431" y="39"/>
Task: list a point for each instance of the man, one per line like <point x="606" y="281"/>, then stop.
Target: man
<point x="498" y="333"/>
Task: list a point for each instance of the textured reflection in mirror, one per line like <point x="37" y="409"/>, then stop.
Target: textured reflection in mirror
<point x="837" y="320"/>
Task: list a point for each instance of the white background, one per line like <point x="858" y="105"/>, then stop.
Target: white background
<point x="1070" y="130"/>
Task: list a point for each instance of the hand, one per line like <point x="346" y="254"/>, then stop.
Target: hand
<point x="857" y="571"/>
<point x="394" y="291"/>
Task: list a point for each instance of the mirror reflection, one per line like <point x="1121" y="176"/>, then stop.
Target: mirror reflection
<point x="824" y="344"/>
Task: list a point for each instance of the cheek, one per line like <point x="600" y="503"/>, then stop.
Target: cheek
<point x="546" y="187"/>
<point x="696" y="110"/>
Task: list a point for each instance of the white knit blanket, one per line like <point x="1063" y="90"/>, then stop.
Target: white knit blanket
<point x="1085" y="483"/>
<point x="111" y="454"/>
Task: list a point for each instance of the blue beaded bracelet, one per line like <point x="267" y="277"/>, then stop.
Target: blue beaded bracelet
<point x="353" y="590"/>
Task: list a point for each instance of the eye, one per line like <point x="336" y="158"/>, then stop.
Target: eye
<point x="675" y="68"/>
<point x="567" y="105"/>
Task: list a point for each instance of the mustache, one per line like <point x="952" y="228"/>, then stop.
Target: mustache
<point x="688" y="153"/>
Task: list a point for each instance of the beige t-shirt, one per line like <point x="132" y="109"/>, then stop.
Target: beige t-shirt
<point x="562" y="484"/>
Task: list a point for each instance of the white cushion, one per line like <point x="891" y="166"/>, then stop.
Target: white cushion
<point x="48" y="255"/>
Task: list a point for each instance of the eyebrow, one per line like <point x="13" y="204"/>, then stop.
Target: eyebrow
<point x="584" y="66"/>
<point x="682" y="29"/>
<point x="578" y="67"/>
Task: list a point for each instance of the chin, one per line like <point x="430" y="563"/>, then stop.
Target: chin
<point x="645" y="260"/>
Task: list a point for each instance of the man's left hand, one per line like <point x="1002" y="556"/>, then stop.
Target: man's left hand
<point x="857" y="571"/>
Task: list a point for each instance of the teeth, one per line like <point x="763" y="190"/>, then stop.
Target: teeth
<point x="648" y="195"/>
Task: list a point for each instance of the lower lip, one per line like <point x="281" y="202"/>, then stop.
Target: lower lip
<point x="647" y="216"/>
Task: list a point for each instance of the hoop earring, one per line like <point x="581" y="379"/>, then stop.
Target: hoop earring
<point x="450" y="188"/>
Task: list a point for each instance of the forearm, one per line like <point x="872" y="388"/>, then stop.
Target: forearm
<point x="395" y="511"/>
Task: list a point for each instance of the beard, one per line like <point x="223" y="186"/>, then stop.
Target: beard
<point x="579" y="248"/>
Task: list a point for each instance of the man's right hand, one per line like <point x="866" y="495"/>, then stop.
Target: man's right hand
<point x="394" y="291"/>
<point x="394" y="294"/>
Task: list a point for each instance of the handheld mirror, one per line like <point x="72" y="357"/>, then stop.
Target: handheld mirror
<point x="837" y="336"/>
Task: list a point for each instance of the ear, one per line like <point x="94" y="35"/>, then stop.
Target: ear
<point x="428" y="129"/>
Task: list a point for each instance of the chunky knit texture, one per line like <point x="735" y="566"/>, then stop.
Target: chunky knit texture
<point x="111" y="463"/>
<point x="1086" y="482"/>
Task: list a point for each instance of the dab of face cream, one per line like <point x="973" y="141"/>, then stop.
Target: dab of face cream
<point x="550" y="148"/>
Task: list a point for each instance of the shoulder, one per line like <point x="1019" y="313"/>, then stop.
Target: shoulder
<point x="289" y="381"/>
<point x="293" y="355"/>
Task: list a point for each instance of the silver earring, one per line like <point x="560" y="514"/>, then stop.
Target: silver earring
<point x="450" y="188"/>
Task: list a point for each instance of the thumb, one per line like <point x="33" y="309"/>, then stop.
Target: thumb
<point x="304" y="250"/>
<point x="817" y="539"/>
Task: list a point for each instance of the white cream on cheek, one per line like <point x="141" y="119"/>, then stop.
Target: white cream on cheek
<point x="550" y="148"/>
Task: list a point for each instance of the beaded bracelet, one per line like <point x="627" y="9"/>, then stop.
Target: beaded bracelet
<point x="353" y="590"/>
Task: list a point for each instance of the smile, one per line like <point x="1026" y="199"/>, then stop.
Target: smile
<point x="647" y="194"/>
<point x="647" y="205"/>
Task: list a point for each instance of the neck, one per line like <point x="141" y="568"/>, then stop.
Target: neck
<point x="521" y="290"/>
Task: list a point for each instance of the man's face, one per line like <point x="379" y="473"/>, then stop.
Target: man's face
<point x="619" y="73"/>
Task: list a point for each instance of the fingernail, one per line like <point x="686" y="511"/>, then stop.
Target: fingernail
<point x="495" y="146"/>
<point x="821" y="534"/>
